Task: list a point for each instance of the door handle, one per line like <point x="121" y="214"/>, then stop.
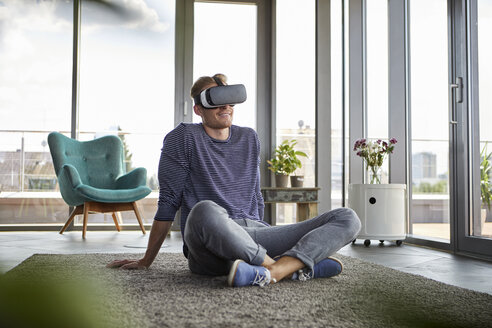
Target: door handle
<point x="458" y="86"/>
<point x="458" y="98"/>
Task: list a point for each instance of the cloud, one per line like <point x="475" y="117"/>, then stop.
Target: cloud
<point x="131" y="14"/>
<point x="55" y="15"/>
<point x="17" y="18"/>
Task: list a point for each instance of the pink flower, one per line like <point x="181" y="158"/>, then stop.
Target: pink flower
<point x="356" y="144"/>
<point x="359" y="142"/>
<point x="373" y="152"/>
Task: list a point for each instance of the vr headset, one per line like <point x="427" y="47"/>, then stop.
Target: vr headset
<point x="221" y="95"/>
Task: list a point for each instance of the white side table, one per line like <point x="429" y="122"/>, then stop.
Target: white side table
<point x="381" y="209"/>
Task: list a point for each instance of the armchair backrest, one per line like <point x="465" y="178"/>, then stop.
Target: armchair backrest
<point x="99" y="162"/>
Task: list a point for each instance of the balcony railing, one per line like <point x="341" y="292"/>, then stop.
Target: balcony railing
<point x="29" y="192"/>
<point x="25" y="160"/>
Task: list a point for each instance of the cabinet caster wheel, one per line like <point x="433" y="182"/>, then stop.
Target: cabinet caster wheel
<point x="353" y="241"/>
<point x="399" y="242"/>
<point x="381" y="241"/>
<point x="367" y="242"/>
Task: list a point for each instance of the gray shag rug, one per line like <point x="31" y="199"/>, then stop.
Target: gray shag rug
<point x="78" y="291"/>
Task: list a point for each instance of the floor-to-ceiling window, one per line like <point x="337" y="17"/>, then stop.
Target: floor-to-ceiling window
<point x="295" y="87"/>
<point x="337" y="101"/>
<point x="230" y="50"/>
<point x="382" y="35"/>
<point x="127" y="83"/>
<point x="376" y="38"/>
<point x="429" y="99"/>
<point x="35" y="98"/>
<point x="126" y="74"/>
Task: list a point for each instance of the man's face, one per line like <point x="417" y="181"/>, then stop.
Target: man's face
<point x="216" y="118"/>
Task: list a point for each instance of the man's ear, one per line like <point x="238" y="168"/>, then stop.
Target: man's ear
<point x="197" y="110"/>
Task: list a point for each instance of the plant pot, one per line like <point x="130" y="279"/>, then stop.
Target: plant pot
<point x="281" y="180"/>
<point x="296" y="181"/>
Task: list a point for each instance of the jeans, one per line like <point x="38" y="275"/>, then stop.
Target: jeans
<point x="215" y="241"/>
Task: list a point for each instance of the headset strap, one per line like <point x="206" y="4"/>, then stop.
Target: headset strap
<point x="218" y="81"/>
<point x="197" y="99"/>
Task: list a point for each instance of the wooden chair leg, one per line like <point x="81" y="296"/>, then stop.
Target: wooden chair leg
<point x="76" y="211"/>
<point x="137" y="213"/>
<point x="115" y="219"/>
<point x="120" y="219"/>
<point x="86" y="214"/>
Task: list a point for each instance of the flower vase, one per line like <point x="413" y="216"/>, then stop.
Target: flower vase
<point x="374" y="174"/>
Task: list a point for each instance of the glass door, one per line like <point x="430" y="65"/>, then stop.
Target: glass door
<point x="475" y="229"/>
<point x="482" y="225"/>
<point x="451" y="79"/>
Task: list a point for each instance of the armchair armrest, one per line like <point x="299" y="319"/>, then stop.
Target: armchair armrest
<point x="133" y="179"/>
<point x="69" y="176"/>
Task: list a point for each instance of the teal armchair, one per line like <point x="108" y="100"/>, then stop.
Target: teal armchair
<point x="92" y="177"/>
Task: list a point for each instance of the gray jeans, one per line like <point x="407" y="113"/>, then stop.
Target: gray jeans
<point x="215" y="241"/>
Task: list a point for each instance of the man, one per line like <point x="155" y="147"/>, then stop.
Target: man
<point x="211" y="171"/>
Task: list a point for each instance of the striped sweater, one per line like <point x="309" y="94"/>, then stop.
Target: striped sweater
<point x="194" y="167"/>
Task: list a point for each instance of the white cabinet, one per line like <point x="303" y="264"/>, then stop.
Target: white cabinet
<point x="381" y="209"/>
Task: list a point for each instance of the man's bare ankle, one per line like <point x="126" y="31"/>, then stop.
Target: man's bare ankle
<point x="268" y="262"/>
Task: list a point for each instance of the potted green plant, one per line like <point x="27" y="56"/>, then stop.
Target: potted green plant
<point x="485" y="185"/>
<point x="285" y="162"/>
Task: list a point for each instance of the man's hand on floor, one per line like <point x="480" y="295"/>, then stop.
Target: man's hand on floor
<point x="127" y="264"/>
